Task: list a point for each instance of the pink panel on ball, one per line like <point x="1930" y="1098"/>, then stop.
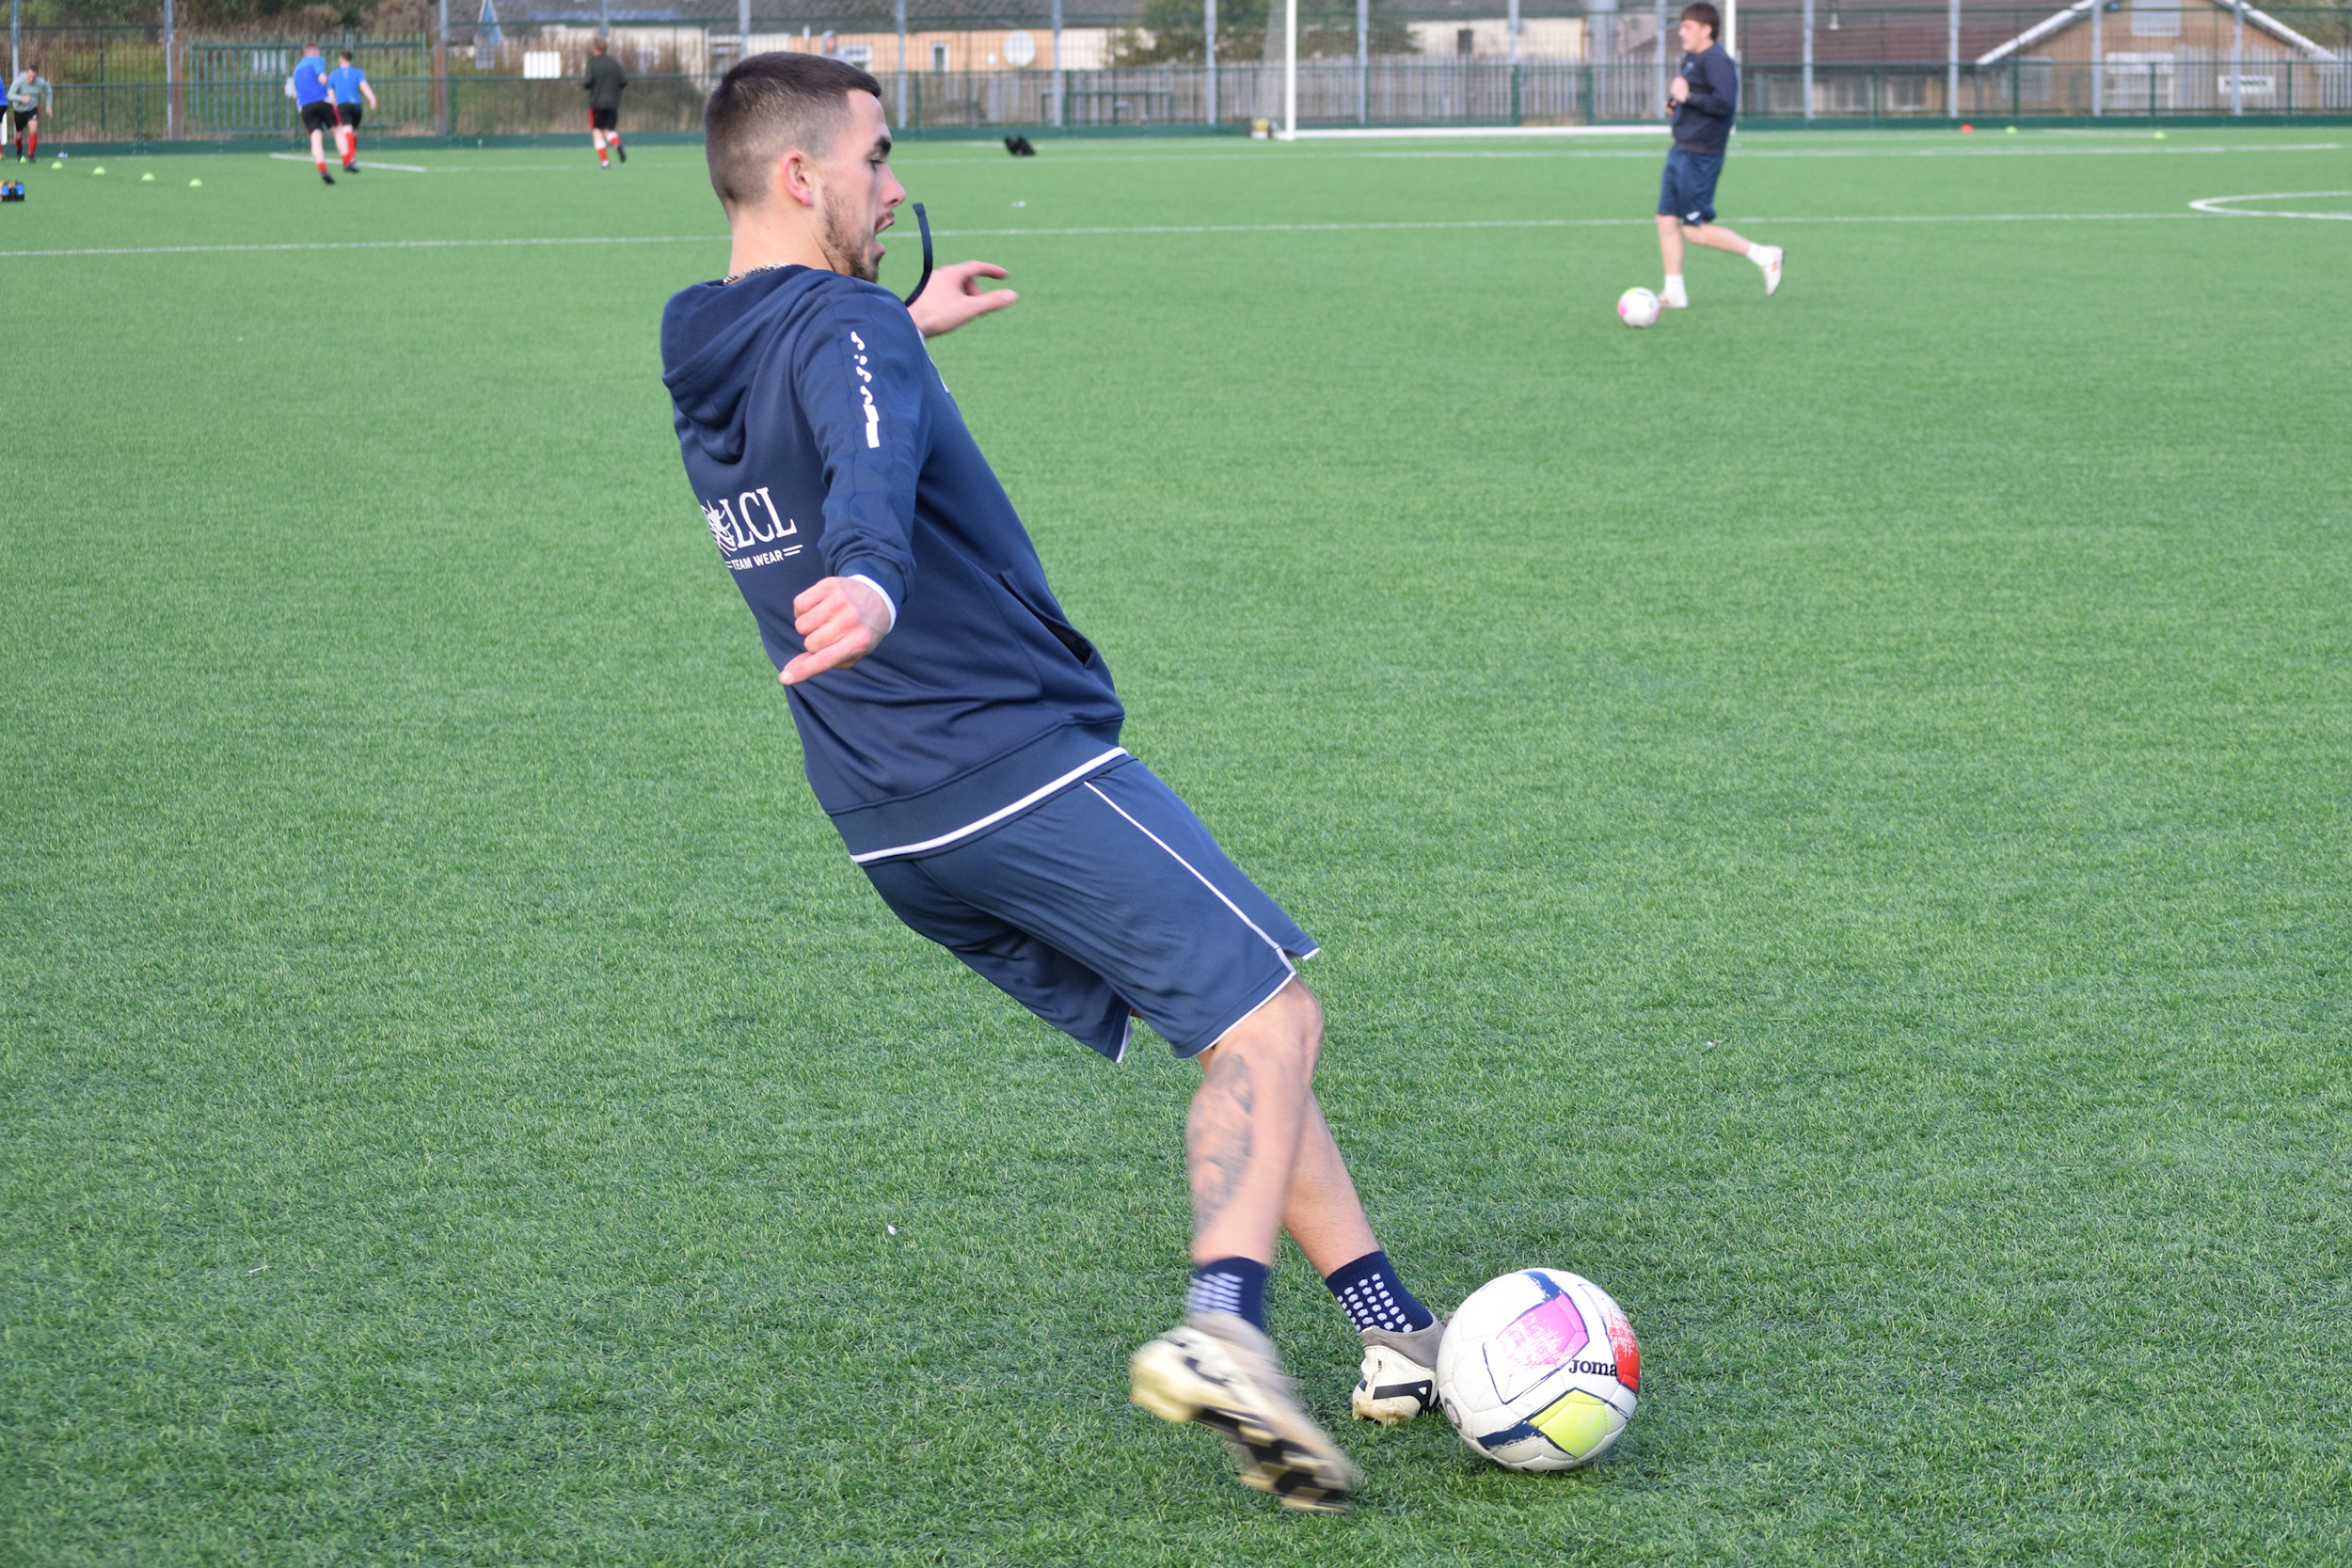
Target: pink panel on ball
<point x="1523" y="1354"/>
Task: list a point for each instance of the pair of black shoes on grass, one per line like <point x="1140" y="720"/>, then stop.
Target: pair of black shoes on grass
<point x="1019" y="147"/>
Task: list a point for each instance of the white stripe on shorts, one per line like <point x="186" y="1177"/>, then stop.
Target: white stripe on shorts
<point x="1204" y="882"/>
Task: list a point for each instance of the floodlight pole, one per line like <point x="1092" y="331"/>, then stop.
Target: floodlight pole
<point x="1511" y="29"/>
<point x="1290" y="69"/>
<point x="1951" y="61"/>
<point x="2098" y="60"/>
<point x="1208" y="46"/>
<point x="1363" y="62"/>
<point x="1731" y="29"/>
<point x="1808" y="59"/>
<point x="2238" y="58"/>
<point x="171" y="86"/>
<point x="440" y="67"/>
<point x="742" y="30"/>
<point x="604" y="19"/>
<point x="900" y="16"/>
<point x="1057" y="76"/>
<point x="16" y="62"/>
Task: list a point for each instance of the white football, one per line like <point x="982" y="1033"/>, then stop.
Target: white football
<point x="1539" y="1369"/>
<point x="1638" y="307"/>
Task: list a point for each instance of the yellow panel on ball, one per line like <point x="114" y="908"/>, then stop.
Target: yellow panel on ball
<point x="1577" y="1421"/>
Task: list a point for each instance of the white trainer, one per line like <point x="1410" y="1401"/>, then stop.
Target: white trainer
<point x="1673" y="299"/>
<point x="1216" y="1369"/>
<point x="1768" y="257"/>
<point x="1399" y="1378"/>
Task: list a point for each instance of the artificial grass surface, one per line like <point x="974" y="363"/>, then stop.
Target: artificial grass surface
<point x="1826" y="816"/>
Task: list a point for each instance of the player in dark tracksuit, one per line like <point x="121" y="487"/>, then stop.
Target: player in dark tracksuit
<point x="603" y="87"/>
<point x="1704" y="100"/>
<point x="965" y="738"/>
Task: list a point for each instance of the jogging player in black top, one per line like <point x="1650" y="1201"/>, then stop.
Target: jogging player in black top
<point x="1704" y="100"/>
<point x="603" y="88"/>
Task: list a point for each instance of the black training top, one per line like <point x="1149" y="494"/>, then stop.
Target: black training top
<point x="604" y="83"/>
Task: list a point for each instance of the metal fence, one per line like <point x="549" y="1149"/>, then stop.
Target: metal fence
<point x="112" y="88"/>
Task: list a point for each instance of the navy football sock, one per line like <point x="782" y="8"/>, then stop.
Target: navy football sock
<point x="1235" y="1285"/>
<point x="1373" y="1296"/>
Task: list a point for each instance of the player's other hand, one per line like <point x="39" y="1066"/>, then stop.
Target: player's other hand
<point x="1677" y="93"/>
<point x="839" y="620"/>
<point x="954" y="296"/>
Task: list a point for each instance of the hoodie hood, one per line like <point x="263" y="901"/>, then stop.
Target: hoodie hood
<point x="712" y="335"/>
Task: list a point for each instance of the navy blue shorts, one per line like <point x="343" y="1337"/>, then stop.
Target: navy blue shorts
<point x="1687" y="191"/>
<point x="1105" y="900"/>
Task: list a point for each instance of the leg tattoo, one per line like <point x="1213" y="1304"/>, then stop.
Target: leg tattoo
<point x="1217" y="1135"/>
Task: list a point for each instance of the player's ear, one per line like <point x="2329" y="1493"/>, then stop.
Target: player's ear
<point x="793" y="176"/>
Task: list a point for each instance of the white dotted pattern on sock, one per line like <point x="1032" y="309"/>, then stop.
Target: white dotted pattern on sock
<point x="1370" y="1304"/>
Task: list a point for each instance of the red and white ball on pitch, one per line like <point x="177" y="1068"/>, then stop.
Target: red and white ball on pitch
<point x="1539" y="1371"/>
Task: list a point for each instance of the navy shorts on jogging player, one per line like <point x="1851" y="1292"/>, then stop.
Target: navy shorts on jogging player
<point x="1687" y="189"/>
<point x="348" y="114"/>
<point x="319" y="116"/>
<point x="1107" y="896"/>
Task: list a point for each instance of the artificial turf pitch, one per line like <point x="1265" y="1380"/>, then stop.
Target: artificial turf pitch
<point x="1827" y="816"/>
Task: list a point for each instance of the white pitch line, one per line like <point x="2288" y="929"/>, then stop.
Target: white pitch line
<point x="2217" y="204"/>
<point x="1404" y="226"/>
<point x="1537" y="223"/>
<point x="912" y="154"/>
<point x="373" y="244"/>
<point x="364" y="163"/>
<point x="1416" y="131"/>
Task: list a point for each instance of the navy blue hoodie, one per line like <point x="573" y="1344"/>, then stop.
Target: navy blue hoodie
<point x="820" y="442"/>
<point x="1703" y="122"/>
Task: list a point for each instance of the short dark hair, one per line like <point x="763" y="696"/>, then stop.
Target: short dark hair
<point x="1706" y="16"/>
<point x="343" y="55"/>
<point x="595" y="46"/>
<point x="770" y="104"/>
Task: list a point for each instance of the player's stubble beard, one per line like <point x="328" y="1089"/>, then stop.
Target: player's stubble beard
<point x="849" y="240"/>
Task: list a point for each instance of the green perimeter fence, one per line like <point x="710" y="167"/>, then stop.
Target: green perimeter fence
<point x="113" y="89"/>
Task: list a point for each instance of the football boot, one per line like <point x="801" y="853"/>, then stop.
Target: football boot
<point x="1216" y="1369"/>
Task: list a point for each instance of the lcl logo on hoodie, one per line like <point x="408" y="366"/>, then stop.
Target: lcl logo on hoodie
<point x="736" y="533"/>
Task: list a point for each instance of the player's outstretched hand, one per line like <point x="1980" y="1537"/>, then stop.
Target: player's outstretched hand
<point x="953" y="297"/>
<point x="839" y="620"/>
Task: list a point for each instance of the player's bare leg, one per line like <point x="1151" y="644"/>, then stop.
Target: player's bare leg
<point x="1241" y="1145"/>
<point x="318" y="155"/>
<point x="1241" y="1139"/>
<point x="1716" y="237"/>
<point x="1321" y="1213"/>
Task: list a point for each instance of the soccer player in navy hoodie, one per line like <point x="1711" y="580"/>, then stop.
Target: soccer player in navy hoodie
<point x="1704" y="100"/>
<point x="964" y="738"/>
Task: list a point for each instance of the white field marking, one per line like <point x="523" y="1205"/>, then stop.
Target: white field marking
<point x="364" y="163"/>
<point x="1648" y="153"/>
<point x="1905" y="152"/>
<point x="1537" y="223"/>
<point x="1140" y="229"/>
<point x="373" y="244"/>
<point x="2221" y="204"/>
<point x="1417" y="132"/>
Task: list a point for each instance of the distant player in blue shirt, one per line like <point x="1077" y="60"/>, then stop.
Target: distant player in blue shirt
<point x="964" y="738"/>
<point x="317" y="102"/>
<point x="1704" y="100"/>
<point x="347" y="85"/>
